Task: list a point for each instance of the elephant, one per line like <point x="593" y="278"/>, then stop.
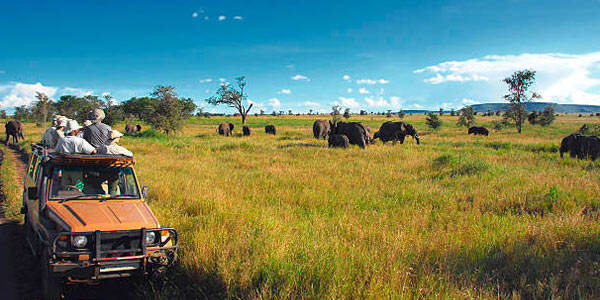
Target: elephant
<point x="321" y="129"/>
<point x="476" y="130"/>
<point x="246" y="130"/>
<point x="369" y="135"/>
<point x="355" y="132"/>
<point x="225" y="129"/>
<point x="16" y="129"/>
<point x="571" y="144"/>
<point x="394" y="131"/>
<point x="338" y="140"/>
<point x="270" y="129"/>
<point x="131" y="129"/>
<point x="589" y="147"/>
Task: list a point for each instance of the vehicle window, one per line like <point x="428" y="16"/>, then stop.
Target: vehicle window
<point x="96" y="182"/>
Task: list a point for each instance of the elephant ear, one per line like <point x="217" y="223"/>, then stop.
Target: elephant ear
<point x="231" y="126"/>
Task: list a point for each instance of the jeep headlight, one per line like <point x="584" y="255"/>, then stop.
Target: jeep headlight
<point x="79" y="241"/>
<point x="150" y="237"/>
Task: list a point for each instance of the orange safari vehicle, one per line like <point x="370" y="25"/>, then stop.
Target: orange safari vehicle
<point x="87" y="219"/>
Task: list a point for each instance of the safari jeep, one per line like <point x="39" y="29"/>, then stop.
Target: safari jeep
<point x="87" y="220"/>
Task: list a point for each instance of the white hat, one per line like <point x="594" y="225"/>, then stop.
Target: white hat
<point x="96" y="115"/>
<point x="115" y="135"/>
<point x="61" y="122"/>
<point x="72" y="125"/>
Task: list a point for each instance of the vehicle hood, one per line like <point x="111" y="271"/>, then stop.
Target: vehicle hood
<point x="91" y="215"/>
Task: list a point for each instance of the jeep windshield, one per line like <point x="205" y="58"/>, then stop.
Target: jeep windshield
<point x="98" y="183"/>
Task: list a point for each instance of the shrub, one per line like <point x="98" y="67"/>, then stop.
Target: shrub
<point x="433" y="121"/>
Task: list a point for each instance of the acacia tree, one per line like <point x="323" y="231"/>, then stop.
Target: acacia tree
<point x="230" y="96"/>
<point x="41" y="108"/>
<point x="169" y="111"/>
<point x="518" y="84"/>
<point x="467" y="117"/>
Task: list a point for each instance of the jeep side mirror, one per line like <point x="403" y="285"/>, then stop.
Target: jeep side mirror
<point x="145" y="191"/>
<point x="32" y="192"/>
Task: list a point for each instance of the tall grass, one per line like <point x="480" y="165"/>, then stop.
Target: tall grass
<point x="285" y="217"/>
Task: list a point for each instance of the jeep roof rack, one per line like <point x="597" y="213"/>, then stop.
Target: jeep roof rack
<point x="82" y="159"/>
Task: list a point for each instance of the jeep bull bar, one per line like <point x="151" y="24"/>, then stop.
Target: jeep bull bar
<point x="102" y="246"/>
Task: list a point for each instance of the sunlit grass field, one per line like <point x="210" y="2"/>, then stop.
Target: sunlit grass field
<point x="459" y="216"/>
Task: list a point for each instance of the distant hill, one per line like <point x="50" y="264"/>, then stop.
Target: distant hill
<point x="539" y="106"/>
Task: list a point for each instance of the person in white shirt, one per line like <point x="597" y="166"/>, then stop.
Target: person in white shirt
<point x="112" y="148"/>
<point x="53" y="134"/>
<point x="71" y="143"/>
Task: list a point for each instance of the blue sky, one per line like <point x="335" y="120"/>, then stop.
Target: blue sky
<point x="373" y="55"/>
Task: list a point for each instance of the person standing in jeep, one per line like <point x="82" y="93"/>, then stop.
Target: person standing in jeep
<point x="98" y="133"/>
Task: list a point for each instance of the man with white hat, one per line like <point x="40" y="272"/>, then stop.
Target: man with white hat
<point x="113" y="148"/>
<point x="98" y="133"/>
<point x="53" y="134"/>
<point x="71" y="143"/>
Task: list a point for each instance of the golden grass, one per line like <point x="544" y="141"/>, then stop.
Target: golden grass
<point x="284" y="217"/>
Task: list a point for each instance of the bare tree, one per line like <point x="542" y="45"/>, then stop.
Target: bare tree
<point x="230" y="96"/>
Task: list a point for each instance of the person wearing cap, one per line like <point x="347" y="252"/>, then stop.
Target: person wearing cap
<point x="53" y="134"/>
<point x="97" y="133"/>
<point x="71" y="143"/>
<point x="113" y="148"/>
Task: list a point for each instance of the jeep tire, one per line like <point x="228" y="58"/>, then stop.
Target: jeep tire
<point x="52" y="287"/>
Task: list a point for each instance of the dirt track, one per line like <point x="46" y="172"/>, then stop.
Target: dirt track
<point x="19" y="268"/>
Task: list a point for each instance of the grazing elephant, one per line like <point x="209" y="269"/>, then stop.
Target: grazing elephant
<point x="225" y="129"/>
<point x="589" y="147"/>
<point x="321" y="129"/>
<point x="270" y="129"/>
<point x="355" y="132"/>
<point x="338" y="140"/>
<point x="369" y="135"/>
<point x="131" y="129"/>
<point x="246" y="130"/>
<point x="16" y="129"/>
<point x="476" y="130"/>
<point x="396" y="131"/>
<point x="571" y="144"/>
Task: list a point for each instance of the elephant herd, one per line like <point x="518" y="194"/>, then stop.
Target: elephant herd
<point x="342" y="134"/>
<point x="226" y="129"/>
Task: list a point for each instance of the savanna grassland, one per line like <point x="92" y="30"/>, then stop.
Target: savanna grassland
<point x="285" y="217"/>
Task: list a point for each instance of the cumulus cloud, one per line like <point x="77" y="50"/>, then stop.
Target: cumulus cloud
<point x="349" y="102"/>
<point x="206" y="80"/>
<point x="239" y="18"/>
<point x="563" y="78"/>
<point x="363" y="91"/>
<point x="311" y="104"/>
<point x="349" y="90"/>
<point x="222" y="18"/>
<point x="291" y="66"/>
<point x="222" y="79"/>
<point x="300" y="77"/>
<point x="197" y="13"/>
<point x="17" y="94"/>
<point x="76" y="91"/>
<point x="372" y="81"/>
<point x="194" y="15"/>
<point x="346" y="77"/>
<point x="376" y="102"/>
<point x="274" y="103"/>
<point x="467" y="101"/>
<point x="285" y="91"/>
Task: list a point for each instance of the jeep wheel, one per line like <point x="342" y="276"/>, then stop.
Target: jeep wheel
<point x="52" y="287"/>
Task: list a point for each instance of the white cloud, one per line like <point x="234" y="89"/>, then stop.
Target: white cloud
<point x="349" y="90"/>
<point x="240" y="18"/>
<point x="349" y="102"/>
<point x="222" y="79"/>
<point x="195" y="15"/>
<point x="205" y="80"/>
<point x="379" y="102"/>
<point x="300" y="77"/>
<point x="205" y="18"/>
<point x="285" y="91"/>
<point x="257" y="105"/>
<point x="562" y="78"/>
<point x="346" y="77"/>
<point x="291" y="66"/>
<point x="372" y="81"/>
<point x="76" y="91"/>
<point x="222" y="18"/>
<point x="467" y="101"/>
<point x="396" y="101"/>
<point x="17" y="94"/>
<point x="274" y="103"/>
<point x="311" y="104"/>
<point x="363" y="91"/>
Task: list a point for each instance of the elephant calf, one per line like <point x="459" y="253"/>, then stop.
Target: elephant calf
<point x="246" y="130"/>
<point x="338" y="141"/>
<point x="476" y="130"/>
<point x="270" y="129"/>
